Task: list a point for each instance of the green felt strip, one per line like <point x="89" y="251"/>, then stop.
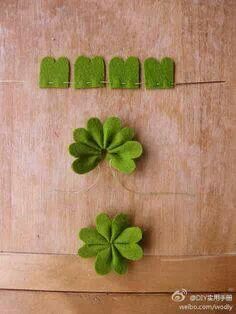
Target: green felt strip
<point x="131" y="149"/>
<point x="159" y="74"/>
<point x="89" y="73"/>
<point x="90" y="250"/>
<point x="85" y="164"/>
<point x="131" y="251"/>
<point x="103" y="261"/>
<point x="81" y="149"/>
<point x="129" y="235"/>
<point x="119" y="223"/>
<point x="91" y="236"/>
<point x="119" y="264"/>
<point x="124" y="74"/>
<point x="54" y="73"/>
<point x="103" y="225"/>
<point x="95" y="128"/>
<point x="111" y="126"/>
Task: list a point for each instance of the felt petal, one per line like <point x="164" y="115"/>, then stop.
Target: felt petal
<point x="103" y="261"/>
<point x="95" y="128"/>
<point x="129" y="235"/>
<point x="119" y="264"/>
<point x="131" y="149"/>
<point x="111" y="126"/>
<point x="81" y="149"/>
<point x="91" y="236"/>
<point x="82" y="136"/>
<point x="119" y="223"/>
<point x="84" y="164"/>
<point x="123" y="165"/>
<point x="54" y="73"/>
<point x="90" y="250"/>
<point x="89" y="73"/>
<point x="124" y="135"/>
<point x="103" y="225"/>
<point x="130" y="251"/>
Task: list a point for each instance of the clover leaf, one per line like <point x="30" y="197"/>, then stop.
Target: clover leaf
<point x="113" y="242"/>
<point x="104" y="141"/>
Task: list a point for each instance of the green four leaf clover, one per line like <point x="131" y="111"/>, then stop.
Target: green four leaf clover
<point x="104" y="141"/>
<point x="113" y="242"/>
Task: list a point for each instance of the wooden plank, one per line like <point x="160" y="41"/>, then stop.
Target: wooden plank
<point x="152" y="274"/>
<point x="19" y="302"/>
<point x="186" y="132"/>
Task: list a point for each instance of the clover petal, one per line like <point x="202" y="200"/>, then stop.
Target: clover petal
<point x="124" y="165"/>
<point x="131" y="251"/>
<point x="91" y="236"/>
<point x="131" y="149"/>
<point x="90" y="250"/>
<point x="95" y="128"/>
<point x="119" y="223"/>
<point x="85" y="164"/>
<point x="124" y="135"/>
<point x="111" y="126"/>
<point x="81" y="135"/>
<point x="103" y="261"/>
<point x="79" y="149"/>
<point x="129" y="235"/>
<point x="119" y="264"/>
<point x="103" y="225"/>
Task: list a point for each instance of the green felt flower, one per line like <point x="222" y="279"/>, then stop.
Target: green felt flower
<point x="104" y="141"/>
<point x="113" y="242"/>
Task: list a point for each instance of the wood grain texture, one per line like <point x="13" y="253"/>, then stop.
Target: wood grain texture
<point x="19" y="302"/>
<point x="187" y="132"/>
<point x="153" y="274"/>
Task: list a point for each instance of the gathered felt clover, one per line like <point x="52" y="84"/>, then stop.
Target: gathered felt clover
<point x="113" y="243"/>
<point x="104" y="141"/>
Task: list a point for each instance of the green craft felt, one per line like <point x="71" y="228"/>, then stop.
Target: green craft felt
<point x="113" y="242"/>
<point x="54" y="73"/>
<point x="159" y="74"/>
<point x="124" y="74"/>
<point x="89" y="73"/>
<point x="104" y="141"/>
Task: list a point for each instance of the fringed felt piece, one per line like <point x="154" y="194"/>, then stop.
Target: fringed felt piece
<point x="159" y="74"/>
<point x="124" y="74"/>
<point x="89" y="73"/>
<point x="54" y="73"/>
<point x="112" y="242"/>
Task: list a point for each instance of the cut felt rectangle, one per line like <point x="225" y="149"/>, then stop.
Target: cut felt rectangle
<point x="124" y="74"/>
<point x="159" y="74"/>
<point x="54" y="73"/>
<point x="89" y="73"/>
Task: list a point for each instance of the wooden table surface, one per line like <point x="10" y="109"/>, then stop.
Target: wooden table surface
<point x="188" y="134"/>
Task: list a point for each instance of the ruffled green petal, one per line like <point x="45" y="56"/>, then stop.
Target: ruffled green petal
<point x="119" y="264"/>
<point x="130" y="251"/>
<point x="124" y="165"/>
<point x="103" y="262"/>
<point x="91" y="236"/>
<point x="131" y="149"/>
<point x="124" y="135"/>
<point x="85" y="164"/>
<point x="129" y="235"/>
<point x="119" y="223"/>
<point x="81" y="135"/>
<point x="95" y="128"/>
<point x="78" y="149"/>
<point x="103" y="226"/>
<point x="90" y="250"/>
<point x="111" y="126"/>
